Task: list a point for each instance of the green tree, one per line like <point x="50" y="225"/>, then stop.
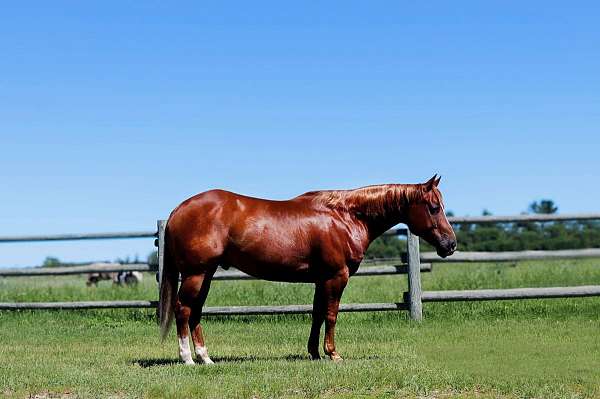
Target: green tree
<point x="51" y="261"/>
<point x="544" y="206"/>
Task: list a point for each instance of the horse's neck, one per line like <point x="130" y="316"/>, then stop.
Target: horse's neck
<point x="378" y="226"/>
<point x="382" y="207"/>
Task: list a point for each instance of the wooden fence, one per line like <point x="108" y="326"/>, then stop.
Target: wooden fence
<point x="376" y="270"/>
<point x="411" y="265"/>
<point x="413" y="299"/>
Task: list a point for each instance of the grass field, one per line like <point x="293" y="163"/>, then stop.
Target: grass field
<point x="538" y="348"/>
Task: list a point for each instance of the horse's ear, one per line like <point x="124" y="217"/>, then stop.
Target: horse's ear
<point x="431" y="183"/>
<point x="437" y="182"/>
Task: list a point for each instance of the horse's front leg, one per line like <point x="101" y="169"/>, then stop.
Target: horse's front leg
<point x="333" y="289"/>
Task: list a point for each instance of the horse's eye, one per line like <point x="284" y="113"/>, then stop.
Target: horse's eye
<point x="434" y="209"/>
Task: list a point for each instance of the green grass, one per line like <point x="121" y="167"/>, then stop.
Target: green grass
<point x="537" y="348"/>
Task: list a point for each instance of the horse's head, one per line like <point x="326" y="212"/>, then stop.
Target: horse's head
<point x="426" y="218"/>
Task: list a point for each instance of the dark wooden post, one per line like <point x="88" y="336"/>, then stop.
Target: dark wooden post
<point x="414" y="277"/>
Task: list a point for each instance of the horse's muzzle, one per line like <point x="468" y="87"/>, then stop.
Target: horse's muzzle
<point x="447" y="248"/>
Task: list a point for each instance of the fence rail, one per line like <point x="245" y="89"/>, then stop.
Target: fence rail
<point x="512" y="256"/>
<point x="511" y="293"/>
<point x="76" y="237"/>
<point x="401" y="268"/>
<point x="144" y="267"/>
<point x="78" y="305"/>
<point x="83" y="269"/>
<point x="524" y="218"/>
<point x="511" y="219"/>
<point x="507" y="256"/>
<point x="426" y="296"/>
<point x="207" y="311"/>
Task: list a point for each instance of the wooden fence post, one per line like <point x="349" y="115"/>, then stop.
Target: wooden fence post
<point x="160" y="243"/>
<point x="414" y="277"/>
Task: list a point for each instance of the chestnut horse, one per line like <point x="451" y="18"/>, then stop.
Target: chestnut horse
<point x="319" y="237"/>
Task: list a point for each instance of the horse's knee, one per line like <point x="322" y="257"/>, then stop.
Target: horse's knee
<point x="182" y="314"/>
<point x="331" y="318"/>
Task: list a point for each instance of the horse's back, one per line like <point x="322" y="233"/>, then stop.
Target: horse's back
<point x="223" y="206"/>
<point x="216" y="213"/>
<point x="252" y="234"/>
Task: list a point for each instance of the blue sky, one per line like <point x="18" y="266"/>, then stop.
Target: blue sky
<point x="111" y="113"/>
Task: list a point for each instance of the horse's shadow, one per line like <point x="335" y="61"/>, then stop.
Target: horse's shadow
<point x="147" y="363"/>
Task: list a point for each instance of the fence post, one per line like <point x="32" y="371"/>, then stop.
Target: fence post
<point x="160" y="243"/>
<point x="414" y="277"/>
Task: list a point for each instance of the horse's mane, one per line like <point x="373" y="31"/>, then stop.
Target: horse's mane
<point x="374" y="200"/>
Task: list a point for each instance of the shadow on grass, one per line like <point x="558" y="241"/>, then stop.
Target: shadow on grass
<point x="146" y="363"/>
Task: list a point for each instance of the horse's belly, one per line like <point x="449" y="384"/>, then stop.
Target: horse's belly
<point x="265" y="270"/>
<point x="270" y="252"/>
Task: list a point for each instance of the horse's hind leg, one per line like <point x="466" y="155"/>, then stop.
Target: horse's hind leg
<point x="186" y="299"/>
<point x="194" y="322"/>
<point x="318" y="317"/>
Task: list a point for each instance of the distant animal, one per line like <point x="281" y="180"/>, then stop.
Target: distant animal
<point x="128" y="278"/>
<point x="119" y="278"/>
<point x="95" y="278"/>
<point x="319" y="237"/>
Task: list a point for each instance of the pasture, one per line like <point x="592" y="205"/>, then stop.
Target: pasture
<point x="537" y="348"/>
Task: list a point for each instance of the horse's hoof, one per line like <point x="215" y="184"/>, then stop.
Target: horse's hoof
<point x="335" y="357"/>
<point x="189" y="362"/>
<point x="202" y="355"/>
<point x="315" y="356"/>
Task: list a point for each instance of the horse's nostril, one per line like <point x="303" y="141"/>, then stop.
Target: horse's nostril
<point x="451" y="247"/>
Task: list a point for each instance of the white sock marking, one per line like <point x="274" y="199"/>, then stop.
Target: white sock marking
<point x="184" y="350"/>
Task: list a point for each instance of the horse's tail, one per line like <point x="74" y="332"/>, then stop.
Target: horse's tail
<point x="168" y="290"/>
